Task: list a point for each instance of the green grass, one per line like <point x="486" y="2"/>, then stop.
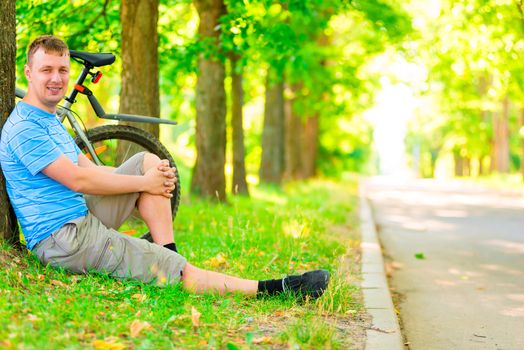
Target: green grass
<point x="276" y="232"/>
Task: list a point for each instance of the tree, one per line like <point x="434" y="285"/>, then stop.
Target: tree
<point x="277" y="46"/>
<point x="239" y="183"/>
<point x="272" y="161"/>
<point x="236" y="25"/>
<point x="8" y="224"/>
<point x="293" y="136"/>
<point x="208" y="173"/>
<point x="139" y="44"/>
<point x="140" y="91"/>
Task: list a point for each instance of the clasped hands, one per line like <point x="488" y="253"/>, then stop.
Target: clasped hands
<point x="163" y="176"/>
<point x="169" y="174"/>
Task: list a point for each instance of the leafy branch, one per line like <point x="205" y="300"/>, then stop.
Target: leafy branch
<point x="90" y="25"/>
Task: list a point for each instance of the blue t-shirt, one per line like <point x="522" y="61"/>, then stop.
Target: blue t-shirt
<point x="31" y="140"/>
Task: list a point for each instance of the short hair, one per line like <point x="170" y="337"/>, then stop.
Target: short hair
<point x="50" y="44"/>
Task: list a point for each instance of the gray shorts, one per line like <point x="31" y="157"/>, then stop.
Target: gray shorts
<point x="91" y="243"/>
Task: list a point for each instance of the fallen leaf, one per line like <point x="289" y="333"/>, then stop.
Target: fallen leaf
<point x="108" y="345"/>
<point x="139" y="297"/>
<point x="137" y="326"/>
<point x="195" y="317"/>
<point x="58" y="283"/>
<point x="304" y="266"/>
<point x="420" y="256"/>
<point x="33" y="318"/>
<point x="40" y="277"/>
<point x="217" y="261"/>
<point x="262" y="340"/>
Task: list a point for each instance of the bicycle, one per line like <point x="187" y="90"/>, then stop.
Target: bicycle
<point x="111" y="145"/>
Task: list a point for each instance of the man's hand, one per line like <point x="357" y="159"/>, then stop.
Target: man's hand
<point x="162" y="179"/>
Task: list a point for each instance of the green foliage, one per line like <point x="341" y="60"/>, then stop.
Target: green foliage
<point x="386" y="17"/>
<point x="319" y="47"/>
<point x="473" y="52"/>
<point x="84" y="25"/>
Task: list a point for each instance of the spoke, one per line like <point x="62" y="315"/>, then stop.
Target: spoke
<point x="128" y="149"/>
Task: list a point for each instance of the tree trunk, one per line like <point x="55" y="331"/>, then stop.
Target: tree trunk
<point x="467" y="166"/>
<point x="293" y="137"/>
<point x="310" y="133"/>
<point x="310" y="147"/>
<point x="140" y="90"/>
<point x="487" y="117"/>
<point x="239" y="185"/>
<point x="501" y="138"/>
<point x="8" y="224"/>
<point x="272" y="162"/>
<point x="208" y="174"/>
<point x="459" y="163"/>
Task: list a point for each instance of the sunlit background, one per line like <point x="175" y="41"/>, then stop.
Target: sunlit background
<point x="421" y="88"/>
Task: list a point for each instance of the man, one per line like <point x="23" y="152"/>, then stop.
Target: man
<point x="69" y="208"/>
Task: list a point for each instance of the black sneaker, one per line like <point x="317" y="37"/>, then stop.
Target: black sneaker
<point x="310" y="284"/>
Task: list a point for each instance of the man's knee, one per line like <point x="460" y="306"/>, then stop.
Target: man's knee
<point x="150" y="160"/>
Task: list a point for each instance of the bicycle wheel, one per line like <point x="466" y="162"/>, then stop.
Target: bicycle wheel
<point x="114" y="144"/>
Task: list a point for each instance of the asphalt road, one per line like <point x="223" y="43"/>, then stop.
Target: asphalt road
<point x="457" y="258"/>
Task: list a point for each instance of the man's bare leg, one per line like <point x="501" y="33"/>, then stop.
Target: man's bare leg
<point x="156" y="209"/>
<point x="198" y="280"/>
<point x="156" y="212"/>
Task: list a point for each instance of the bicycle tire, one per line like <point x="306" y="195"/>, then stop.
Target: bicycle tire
<point x="108" y="134"/>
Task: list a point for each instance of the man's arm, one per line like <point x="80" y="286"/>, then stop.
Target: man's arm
<point x="85" y="162"/>
<point x="93" y="180"/>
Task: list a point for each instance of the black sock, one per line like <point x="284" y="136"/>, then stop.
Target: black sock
<point x="171" y="246"/>
<point x="270" y="287"/>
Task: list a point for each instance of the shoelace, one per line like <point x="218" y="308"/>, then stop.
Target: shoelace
<point x="292" y="282"/>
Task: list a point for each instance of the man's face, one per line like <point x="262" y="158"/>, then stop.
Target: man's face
<point x="48" y="76"/>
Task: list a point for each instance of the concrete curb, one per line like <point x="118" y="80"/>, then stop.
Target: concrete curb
<point x="384" y="333"/>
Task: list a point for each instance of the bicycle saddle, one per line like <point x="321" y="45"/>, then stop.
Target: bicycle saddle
<point x="93" y="59"/>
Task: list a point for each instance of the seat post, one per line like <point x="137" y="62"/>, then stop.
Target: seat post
<point x="79" y="81"/>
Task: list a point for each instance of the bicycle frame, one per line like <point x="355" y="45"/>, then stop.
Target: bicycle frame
<point x="80" y="88"/>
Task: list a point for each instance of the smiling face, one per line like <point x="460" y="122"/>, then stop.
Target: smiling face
<point x="48" y="75"/>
